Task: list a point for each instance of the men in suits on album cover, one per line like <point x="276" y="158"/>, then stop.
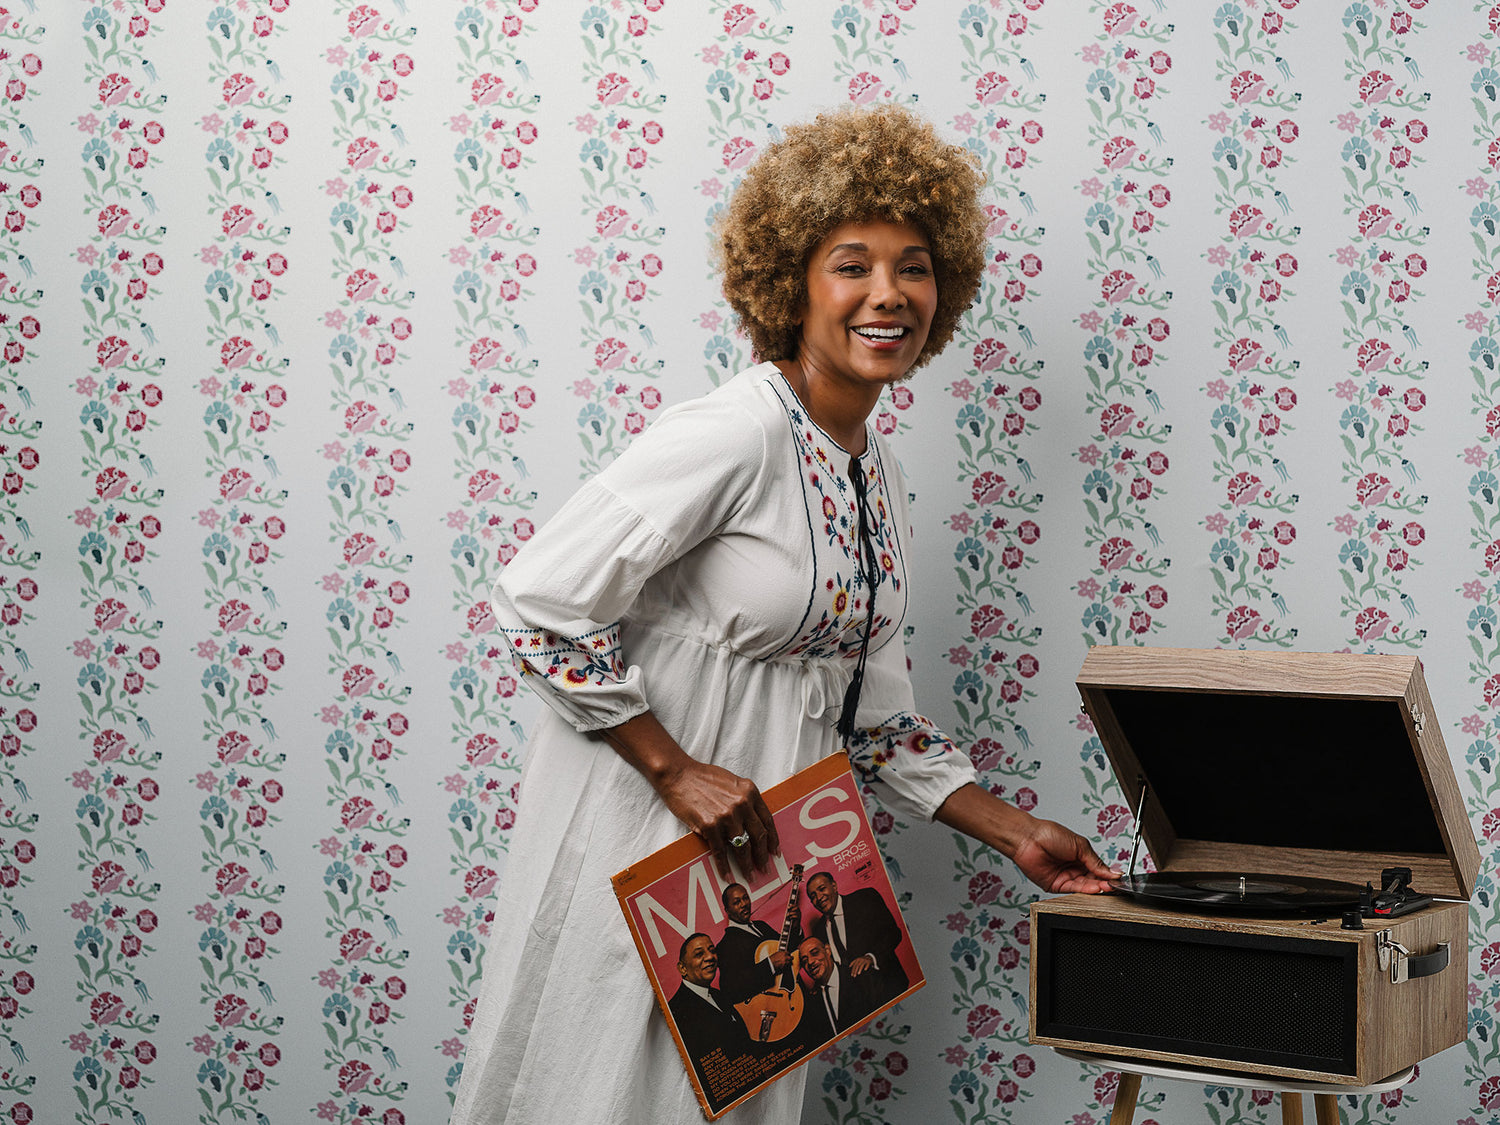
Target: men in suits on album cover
<point x="835" y="999"/>
<point x="861" y="932"/>
<point x="741" y="974"/>
<point x="705" y="1018"/>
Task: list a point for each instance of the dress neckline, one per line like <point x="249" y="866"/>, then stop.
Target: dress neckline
<point x="854" y="458"/>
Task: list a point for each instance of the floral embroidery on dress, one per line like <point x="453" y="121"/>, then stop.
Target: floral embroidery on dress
<point x="592" y="658"/>
<point x="836" y="616"/>
<point x="873" y="747"/>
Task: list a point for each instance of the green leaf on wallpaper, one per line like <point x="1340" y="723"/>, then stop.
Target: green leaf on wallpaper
<point x="339" y="109"/>
<point x="843" y="50"/>
<point x="1095" y="110"/>
<point x="963" y="577"/>
<point x="713" y="108"/>
<point x="88" y="573"/>
<point x="588" y="178"/>
<point x="332" y="1038"/>
<point x="1220" y="446"/>
<point x="593" y="54"/>
<point x="1477" y="647"/>
<point x="1093" y="510"/>
<point x="1348" y="581"/>
<point x="1219" y="579"/>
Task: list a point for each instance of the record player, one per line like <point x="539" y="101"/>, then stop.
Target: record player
<point x="1306" y="826"/>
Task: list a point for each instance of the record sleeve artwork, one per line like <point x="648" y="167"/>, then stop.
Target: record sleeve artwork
<point x="1306" y="824"/>
<point x="711" y="946"/>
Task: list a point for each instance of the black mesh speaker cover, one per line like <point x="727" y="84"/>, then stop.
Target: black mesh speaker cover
<point x="1239" y="997"/>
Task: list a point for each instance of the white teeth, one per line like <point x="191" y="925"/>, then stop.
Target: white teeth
<point x="881" y="333"/>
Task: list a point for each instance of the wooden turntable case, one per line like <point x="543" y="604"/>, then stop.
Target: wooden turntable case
<point x="1321" y="765"/>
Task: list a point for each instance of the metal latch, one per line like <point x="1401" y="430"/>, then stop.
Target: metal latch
<point x="1418" y="720"/>
<point x="1404" y="965"/>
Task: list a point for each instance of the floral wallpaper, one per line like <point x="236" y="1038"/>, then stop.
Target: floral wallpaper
<point x="311" y="314"/>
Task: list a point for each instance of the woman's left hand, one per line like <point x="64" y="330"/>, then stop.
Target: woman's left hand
<point x="1055" y="858"/>
<point x="1059" y="860"/>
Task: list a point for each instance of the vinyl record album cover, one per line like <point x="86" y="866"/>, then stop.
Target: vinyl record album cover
<point x="755" y="975"/>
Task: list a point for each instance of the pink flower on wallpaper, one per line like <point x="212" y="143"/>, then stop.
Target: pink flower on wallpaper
<point x="1475" y="321"/>
<point x="1088" y="588"/>
<point x="1088" y="454"/>
<point x="459" y="123"/>
<point x="1474" y="455"/>
<point x="1091" y="187"/>
<point x="1215" y="523"/>
<point x="711" y="187"/>
<point x="331" y="714"/>
<point x="1092" y="53"/>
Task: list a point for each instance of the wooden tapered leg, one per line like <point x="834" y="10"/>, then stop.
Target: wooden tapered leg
<point x="1291" y="1108"/>
<point x="1125" y="1095"/>
<point x="1327" y="1107"/>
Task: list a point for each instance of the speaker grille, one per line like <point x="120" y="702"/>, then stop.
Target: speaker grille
<point x="1224" y="995"/>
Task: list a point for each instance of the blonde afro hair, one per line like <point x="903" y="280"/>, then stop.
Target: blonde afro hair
<point x="849" y="165"/>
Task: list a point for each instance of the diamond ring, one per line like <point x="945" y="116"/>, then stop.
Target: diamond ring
<point x="740" y="841"/>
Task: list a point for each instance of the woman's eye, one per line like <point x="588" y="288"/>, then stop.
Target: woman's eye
<point x="851" y="268"/>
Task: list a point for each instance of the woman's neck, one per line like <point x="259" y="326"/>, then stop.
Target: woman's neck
<point x="839" y="410"/>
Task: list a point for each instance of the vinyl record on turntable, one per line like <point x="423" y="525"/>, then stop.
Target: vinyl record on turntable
<point x="1231" y="893"/>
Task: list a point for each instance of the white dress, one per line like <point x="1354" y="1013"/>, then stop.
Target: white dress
<point x="710" y="574"/>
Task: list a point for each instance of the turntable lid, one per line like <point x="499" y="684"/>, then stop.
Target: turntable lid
<point x="1327" y="764"/>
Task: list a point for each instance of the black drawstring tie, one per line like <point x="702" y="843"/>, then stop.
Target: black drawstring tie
<point x="871" y="576"/>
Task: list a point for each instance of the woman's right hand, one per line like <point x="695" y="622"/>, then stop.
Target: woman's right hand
<point x="714" y="803"/>
<point x="720" y="806"/>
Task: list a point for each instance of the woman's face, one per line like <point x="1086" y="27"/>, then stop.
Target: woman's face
<point x="871" y="293"/>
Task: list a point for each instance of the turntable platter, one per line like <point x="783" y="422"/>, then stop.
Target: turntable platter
<point x="1230" y="893"/>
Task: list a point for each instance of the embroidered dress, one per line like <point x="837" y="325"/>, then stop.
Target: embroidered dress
<point x="710" y="574"/>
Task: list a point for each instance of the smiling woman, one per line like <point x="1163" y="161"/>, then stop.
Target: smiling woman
<point x="723" y="606"/>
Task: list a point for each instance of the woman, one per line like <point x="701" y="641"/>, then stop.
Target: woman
<point x="699" y="616"/>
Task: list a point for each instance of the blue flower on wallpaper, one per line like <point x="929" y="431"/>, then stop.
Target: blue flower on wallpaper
<point x="341" y="612"/>
<point x="467" y="415"/>
<point x="720" y="349"/>
<point x="343" y="480"/>
<point x="1229" y="151"/>
<point x="970" y="550"/>
<point x="1100" y="215"/>
<point x="1358" y="150"/>
<point x="463" y="945"/>
<point x="94" y="677"/>
<point x="471" y="20"/>
<point x="593" y="284"/>
<point x="1485" y="81"/>
<point x="1100" y="351"/>
<point x="345" y="347"/>
<point x="1482" y="620"/>
<point x="468" y="152"/>
<point x="219" y="284"/>
<point x="594" y="150"/>
<point x="1355" y="553"/>
<point x="93" y="546"/>
<point x="345" y="83"/>
<point x="1227" y="284"/>
<point x="467" y="549"/>
<point x="92" y="809"/>
<point x="1356" y="418"/>
<point x="593" y="417"/>
<point x="720" y="82"/>
<point x="468" y="284"/>
<point x="90" y="939"/>
<point x="216" y="811"/>
<point x="1226" y="553"/>
<point x="1356" y="284"/>
<point x="221" y="151"/>
<point x="1097" y="617"/>
<point x="1358" y="18"/>
<point x="96" y="283"/>
<point x="222" y="20"/>
<point x="464" y="812"/>
<point x="341" y="743"/>
<point x="847" y="18"/>
<point x="1227" y="418"/>
<point x="218" y="548"/>
<point x="1100" y="483"/>
<point x="1484" y="485"/>
<point x="1230" y="17"/>
<point x="594" y="19"/>
<point x="97" y="20"/>
<point x="1102" y="82"/>
<point x="1484" y="350"/>
<point x="339" y="875"/>
<point x="1486" y="215"/>
<point x="976" y="19"/>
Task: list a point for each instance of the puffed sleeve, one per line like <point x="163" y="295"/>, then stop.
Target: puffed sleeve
<point x="560" y="600"/>
<point x="892" y="743"/>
